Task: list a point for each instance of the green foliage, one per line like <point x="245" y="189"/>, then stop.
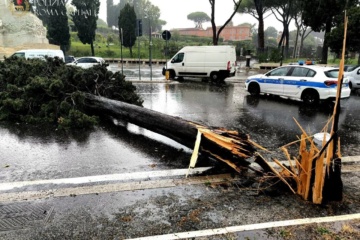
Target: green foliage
<point x="58" y="28"/>
<point x="101" y="23"/>
<point x="245" y="46"/>
<point x="336" y="36"/>
<point x="49" y="92"/>
<point x="262" y="57"/>
<point x="270" y="55"/>
<point x="85" y="20"/>
<point x="198" y="18"/>
<point x="275" y="55"/>
<point x="80" y="51"/>
<point x="271" y="32"/>
<point x="257" y="9"/>
<point x="323" y="231"/>
<point x="321" y="15"/>
<point x="127" y="22"/>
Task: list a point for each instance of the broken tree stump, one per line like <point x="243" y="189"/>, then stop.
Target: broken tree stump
<point x="230" y="147"/>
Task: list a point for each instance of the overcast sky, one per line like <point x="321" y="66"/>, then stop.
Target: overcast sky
<point x="175" y="12"/>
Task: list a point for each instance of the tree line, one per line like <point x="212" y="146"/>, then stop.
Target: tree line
<point x="308" y="15"/>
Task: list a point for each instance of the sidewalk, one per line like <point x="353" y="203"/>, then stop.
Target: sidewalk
<point x="240" y="77"/>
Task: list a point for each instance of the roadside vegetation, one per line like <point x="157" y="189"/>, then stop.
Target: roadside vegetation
<point x="318" y="34"/>
<point x="49" y="92"/>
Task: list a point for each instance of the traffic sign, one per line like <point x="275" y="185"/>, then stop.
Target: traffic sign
<point x="166" y="35"/>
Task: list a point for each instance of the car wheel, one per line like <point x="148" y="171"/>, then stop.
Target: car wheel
<point x="351" y="86"/>
<point x="310" y="97"/>
<point x="172" y="74"/>
<point x="214" y="76"/>
<point x="254" y="89"/>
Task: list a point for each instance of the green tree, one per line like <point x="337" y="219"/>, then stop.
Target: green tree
<point x="127" y="22"/>
<point x="271" y="32"/>
<point x="320" y="15"/>
<point x="198" y="18"/>
<point x="149" y="13"/>
<point x="160" y="24"/>
<point x="302" y="31"/>
<point x="257" y="9"/>
<point x="306" y="41"/>
<point x="110" y="13"/>
<point x="85" y="19"/>
<point x="58" y="28"/>
<point x="217" y="31"/>
<point x="145" y="10"/>
<point x="336" y="36"/>
<point x="284" y="10"/>
<point x="31" y="95"/>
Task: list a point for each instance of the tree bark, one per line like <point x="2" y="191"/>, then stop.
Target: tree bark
<point x="261" y="33"/>
<point x="325" y="49"/>
<point x="230" y="147"/>
<point x="92" y="48"/>
<point x="296" y="41"/>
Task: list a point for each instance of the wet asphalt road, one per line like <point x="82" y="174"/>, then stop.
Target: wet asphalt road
<point x="33" y="154"/>
<point x="29" y="154"/>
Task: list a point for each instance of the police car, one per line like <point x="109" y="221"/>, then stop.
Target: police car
<point x="309" y="83"/>
<point x="353" y="74"/>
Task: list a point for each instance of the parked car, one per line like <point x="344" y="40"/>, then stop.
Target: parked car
<point x="352" y="72"/>
<point x="69" y="59"/>
<point x="88" y="62"/>
<point x="308" y="83"/>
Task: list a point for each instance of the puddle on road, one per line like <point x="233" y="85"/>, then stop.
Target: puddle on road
<point x="36" y="153"/>
<point x="107" y="150"/>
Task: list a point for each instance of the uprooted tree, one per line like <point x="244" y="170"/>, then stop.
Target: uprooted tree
<point x="48" y="91"/>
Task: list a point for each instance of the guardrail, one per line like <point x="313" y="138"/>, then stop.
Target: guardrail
<point x="266" y="66"/>
<point x="135" y="61"/>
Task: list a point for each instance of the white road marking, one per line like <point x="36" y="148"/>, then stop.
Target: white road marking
<point x="103" y="178"/>
<point x="348" y="159"/>
<point x="250" y="227"/>
<point x="132" y="176"/>
<point x="115" y="187"/>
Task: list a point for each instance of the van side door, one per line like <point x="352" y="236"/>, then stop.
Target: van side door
<point x="195" y="64"/>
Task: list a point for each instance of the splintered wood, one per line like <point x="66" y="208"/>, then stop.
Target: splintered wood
<point x="233" y="147"/>
<point x="318" y="171"/>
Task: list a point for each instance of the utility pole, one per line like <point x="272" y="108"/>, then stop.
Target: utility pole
<point x="139" y="34"/>
<point x="150" y="49"/>
<point x="121" y="52"/>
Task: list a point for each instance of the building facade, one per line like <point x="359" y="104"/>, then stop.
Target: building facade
<point x="229" y="33"/>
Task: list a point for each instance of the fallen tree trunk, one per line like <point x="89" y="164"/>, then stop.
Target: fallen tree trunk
<point x="227" y="146"/>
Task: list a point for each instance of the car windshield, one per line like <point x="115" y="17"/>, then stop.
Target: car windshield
<point x="19" y="54"/>
<point x="332" y="73"/>
<point x="349" y="68"/>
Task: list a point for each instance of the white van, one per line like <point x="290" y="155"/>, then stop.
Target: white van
<point x="39" y="53"/>
<point x="214" y="62"/>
